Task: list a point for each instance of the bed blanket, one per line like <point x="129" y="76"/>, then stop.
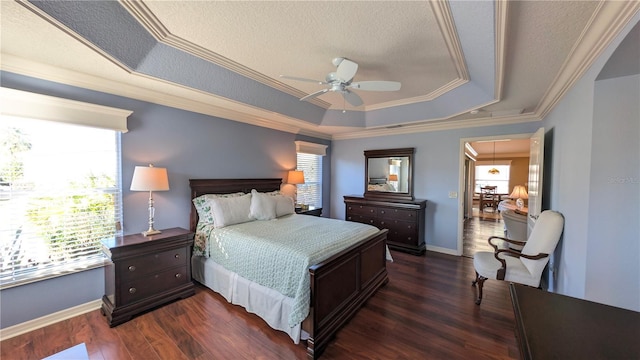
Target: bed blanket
<point x="278" y="253"/>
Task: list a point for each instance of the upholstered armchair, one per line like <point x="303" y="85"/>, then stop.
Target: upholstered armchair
<point x="515" y="226"/>
<point x="524" y="267"/>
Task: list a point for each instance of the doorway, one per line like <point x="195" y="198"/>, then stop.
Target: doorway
<point x="478" y="222"/>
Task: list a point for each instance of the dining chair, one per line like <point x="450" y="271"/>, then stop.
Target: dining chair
<point x="489" y="197"/>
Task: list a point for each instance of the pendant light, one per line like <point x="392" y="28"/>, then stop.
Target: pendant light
<point x="493" y="170"/>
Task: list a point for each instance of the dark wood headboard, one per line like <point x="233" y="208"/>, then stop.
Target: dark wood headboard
<point x="226" y="186"/>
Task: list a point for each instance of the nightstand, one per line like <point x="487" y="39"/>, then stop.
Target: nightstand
<point x="312" y="210"/>
<point x="146" y="271"/>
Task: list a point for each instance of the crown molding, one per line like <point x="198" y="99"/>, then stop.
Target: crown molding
<point x="443" y="16"/>
<point x="438" y="125"/>
<point x="72" y="33"/>
<point x="501" y="11"/>
<point x="187" y="99"/>
<point x="605" y="24"/>
<point x="434" y="94"/>
<point x="149" y="21"/>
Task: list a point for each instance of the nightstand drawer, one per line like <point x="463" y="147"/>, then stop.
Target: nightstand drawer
<point x="149" y="285"/>
<point x="136" y="267"/>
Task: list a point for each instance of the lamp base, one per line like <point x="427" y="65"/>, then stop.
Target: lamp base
<point x="151" y="231"/>
<point x="519" y="204"/>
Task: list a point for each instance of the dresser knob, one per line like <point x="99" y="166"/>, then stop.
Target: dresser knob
<point x="178" y="276"/>
<point x="132" y="268"/>
<point x="177" y="256"/>
<point x="381" y="211"/>
<point x="132" y="290"/>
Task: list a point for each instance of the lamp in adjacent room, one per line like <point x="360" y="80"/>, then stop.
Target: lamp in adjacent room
<point x="494" y="170"/>
<point x="295" y="177"/>
<point x="519" y="192"/>
<point x="150" y="178"/>
<point x="393" y="177"/>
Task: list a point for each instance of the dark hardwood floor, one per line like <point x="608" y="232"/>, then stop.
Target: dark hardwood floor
<point x="478" y="229"/>
<point x="426" y="311"/>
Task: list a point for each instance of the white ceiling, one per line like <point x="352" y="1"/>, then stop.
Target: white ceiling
<point x="510" y="61"/>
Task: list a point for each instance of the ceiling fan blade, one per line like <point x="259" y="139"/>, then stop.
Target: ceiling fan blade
<point x="352" y="98"/>
<point x="347" y="70"/>
<point x="376" y="85"/>
<point x="312" y="95"/>
<point x="303" y="79"/>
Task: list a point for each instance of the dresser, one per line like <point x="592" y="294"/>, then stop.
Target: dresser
<point x="403" y="218"/>
<point x="146" y="271"/>
<point x="554" y="326"/>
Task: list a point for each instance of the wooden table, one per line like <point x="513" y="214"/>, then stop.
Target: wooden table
<point x="554" y="326"/>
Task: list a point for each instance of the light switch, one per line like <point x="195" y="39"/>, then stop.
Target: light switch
<point x="453" y="194"/>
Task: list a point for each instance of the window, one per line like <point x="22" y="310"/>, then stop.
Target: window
<point x="60" y="195"/>
<point x="310" y="193"/>
<point x="310" y="162"/>
<point x="484" y="178"/>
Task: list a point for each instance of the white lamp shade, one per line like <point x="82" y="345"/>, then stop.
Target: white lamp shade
<point x="519" y="192"/>
<point x="149" y="178"/>
<point x="296" y="177"/>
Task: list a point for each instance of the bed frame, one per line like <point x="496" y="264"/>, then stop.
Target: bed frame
<point x="340" y="285"/>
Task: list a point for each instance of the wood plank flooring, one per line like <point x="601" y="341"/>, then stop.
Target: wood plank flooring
<point x="478" y="229"/>
<point x="426" y="311"/>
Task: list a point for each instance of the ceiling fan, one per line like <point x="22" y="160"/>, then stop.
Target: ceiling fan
<point x="341" y="81"/>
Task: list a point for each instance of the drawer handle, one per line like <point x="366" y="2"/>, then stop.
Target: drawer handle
<point x="177" y="256"/>
<point x="178" y="276"/>
<point x="132" y="268"/>
<point x="371" y="210"/>
<point x="381" y="211"/>
<point x="132" y="290"/>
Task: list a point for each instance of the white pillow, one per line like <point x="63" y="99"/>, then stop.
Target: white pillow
<point x="203" y="206"/>
<point x="263" y="206"/>
<point x="284" y="205"/>
<point x="231" y="210"/>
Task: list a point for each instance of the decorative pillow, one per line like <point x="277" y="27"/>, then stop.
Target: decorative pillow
<point x="284" y="205"/>
<point x="230" y="210"/>
<point x="263" y="206"/>
<point x="203" y="207"/>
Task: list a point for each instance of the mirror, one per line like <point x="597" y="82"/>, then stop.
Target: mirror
<point x="389" y="173"/>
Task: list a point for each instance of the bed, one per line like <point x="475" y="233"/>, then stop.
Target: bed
<point x="338" y="285"/>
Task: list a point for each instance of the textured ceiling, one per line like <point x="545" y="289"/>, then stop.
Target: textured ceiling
<point x="507" y="60"/>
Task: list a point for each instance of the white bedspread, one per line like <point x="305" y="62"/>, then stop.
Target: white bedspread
<point x="277" y="253"/>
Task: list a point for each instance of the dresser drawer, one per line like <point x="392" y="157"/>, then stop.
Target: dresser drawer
<point x="143" y="287"/>
<point x="361" y="210"/>
<point x="364" y="219"/>
<point x="402" y="231"/>
<point x="135" y="268"/>
<point x="400" y="214"/>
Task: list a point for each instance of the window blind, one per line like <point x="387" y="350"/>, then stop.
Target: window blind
<point x="60" y="195"/>
<point x="310" y="193"/>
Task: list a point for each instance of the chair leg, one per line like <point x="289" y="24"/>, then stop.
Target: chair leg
<point x="473" y="283"/>
<point x="480" y="282"/>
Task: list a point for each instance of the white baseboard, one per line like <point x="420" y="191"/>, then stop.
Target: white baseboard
<point x="43" y="321"/>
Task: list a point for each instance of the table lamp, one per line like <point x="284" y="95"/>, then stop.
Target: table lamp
<point x="519" y="192"/>
<point x="150" y="178"/>
<point x="295" y="177"/>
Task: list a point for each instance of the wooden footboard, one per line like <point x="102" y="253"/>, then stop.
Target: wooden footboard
<point x="340" y="286"/>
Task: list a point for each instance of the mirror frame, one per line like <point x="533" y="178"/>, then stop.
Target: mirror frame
<point x="384" y="195"/>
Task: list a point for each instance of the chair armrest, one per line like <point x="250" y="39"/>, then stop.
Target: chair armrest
<point x="510" y="252"/>
<point x="516" y="242"/>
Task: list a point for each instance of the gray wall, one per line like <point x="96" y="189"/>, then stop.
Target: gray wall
<point x="593" y="177"/>
<point x="189" y="145"/>
<point x="436" y="172"/>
